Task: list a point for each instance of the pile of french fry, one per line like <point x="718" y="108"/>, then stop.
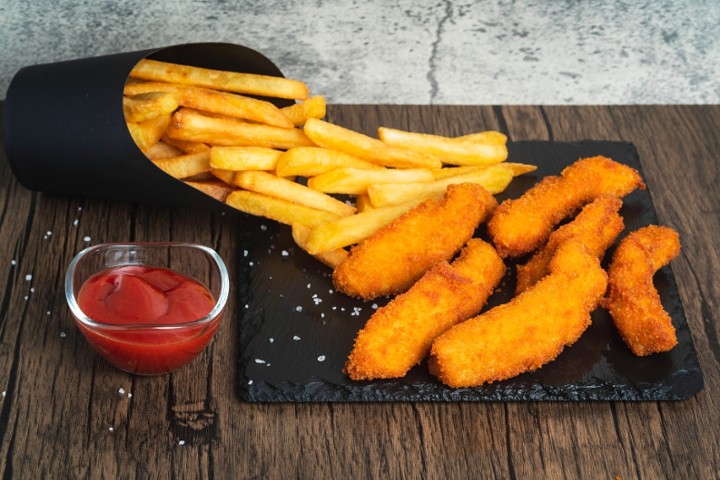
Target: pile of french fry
<point x="288" y="164"/>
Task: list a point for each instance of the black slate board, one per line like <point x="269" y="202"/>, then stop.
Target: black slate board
<point x="296" y="333"/>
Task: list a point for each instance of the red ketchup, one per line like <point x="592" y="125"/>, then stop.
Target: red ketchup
<point x="142" y="311"/>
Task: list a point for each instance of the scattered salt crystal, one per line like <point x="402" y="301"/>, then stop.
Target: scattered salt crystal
<point x="330" y="291"/>
<point x="245" y="253"/>
<point x="322" y="315"/>
<point x="321" y="358"/>
<point x="247" y="306"/>
<point x="4" y="393"/>
<point x="129" y="395"/>
<point x="263" y="227"/>
<point x="181" y="442"/>
<point x="374" y="306"/>
<point x="250" y="382"/>
<point x="75" y="222"/>
<point x="284" y="253"/>
<point x="296" y="338"/>
<point x="25" y="297"/>
<point x="79" y="209"/>
<point x="48" y="312"/>
<point x="251" y="263"/>
<point x="28" y="277"/>
<point x="259" y="360"/>
<point x="317" y="301"/>
<point x="308" y="285"/>
<point x="271" y="340"/>
<point x="111" y="429"/>
<point x="86" y="238"/>
<point x="63" y="334"/>
<point x="121" y="391"/>
<point x="298" y="308"/>
<point x="32" y="289"/>
<point x="13" y="262"/>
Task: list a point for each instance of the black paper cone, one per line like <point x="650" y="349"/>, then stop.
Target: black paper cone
<point x="65" y="131"/>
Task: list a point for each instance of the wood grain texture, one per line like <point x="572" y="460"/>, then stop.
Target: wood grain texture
<point x="63" y="413"/>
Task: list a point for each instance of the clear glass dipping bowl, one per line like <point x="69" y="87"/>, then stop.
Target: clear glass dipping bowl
<point x="150" y="348"/>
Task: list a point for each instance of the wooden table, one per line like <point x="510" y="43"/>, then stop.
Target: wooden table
<point x="65" y="413"/>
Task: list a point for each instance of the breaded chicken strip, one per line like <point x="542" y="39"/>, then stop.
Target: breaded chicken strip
<point x="596" y="226"/>
<point x="633" y="300"/>
<point x="397" y="255"/>
<point x="399" y="335"/>
<point x="527" y="332"/>
<point x="520" y="226"/>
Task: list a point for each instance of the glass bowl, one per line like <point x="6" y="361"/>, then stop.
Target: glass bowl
<point x="137" y="313"/>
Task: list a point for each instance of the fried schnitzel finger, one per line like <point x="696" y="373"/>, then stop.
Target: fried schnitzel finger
<point x="596" y="226"/>
<point x="398" y="254"/>
<point x="521" y="225"/>
<point x="527" y="332"/>
<point x="632" y="300"/>
<point x="399" y="335"/>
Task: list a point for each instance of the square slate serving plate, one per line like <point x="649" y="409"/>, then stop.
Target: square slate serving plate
<point x="296" y="331"/>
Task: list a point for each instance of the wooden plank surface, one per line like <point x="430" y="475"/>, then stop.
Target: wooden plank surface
<point x="65" y="413"/>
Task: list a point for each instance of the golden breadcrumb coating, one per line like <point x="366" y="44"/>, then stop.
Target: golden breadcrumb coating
<point x="527" y="332"/>
<point x="521" y="225"/>
<point x="397" y="255"/>
<point x="398" y="336"/>
<point x="632" y="300"/>
<point x="597" y="226"/>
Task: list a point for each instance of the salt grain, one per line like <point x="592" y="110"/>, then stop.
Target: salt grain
<point x="250" y="382"/>
<point x="259" y="360"/>
<point x="13" y="262"/>
<point x="28" y="277"/>
<point x="63" y="334"/>
<point x="121" y="391"/>
<point x="245" y="253"/>
<point x="75" y="222"/>
<point x="374" y="306"/>
<point x="86" y="239"/>
<point x="271" y="340"/>
<point x="298" y="308"/>
<point x="263" y="227"/>
<point x="181" y="442"/>
<point x="321" y="358"/>
<point x="111" y="429"/>
<point x="296" y="338"/>
<point x="284" y="253"/>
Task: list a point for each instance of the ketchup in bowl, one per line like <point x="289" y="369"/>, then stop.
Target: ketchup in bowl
<point x="144" y="319"/>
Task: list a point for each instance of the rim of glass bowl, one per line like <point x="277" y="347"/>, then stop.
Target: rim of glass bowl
<point x="80" y="315"/>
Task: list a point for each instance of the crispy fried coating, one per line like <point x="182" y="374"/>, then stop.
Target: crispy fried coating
<point x="398" y="336"/>
<point x="527" y="332"/>
<point x="521" y="225"/>
<point x="632" y="300"/>
<point x="597" y="226"/>
<point x="397" y="255"/>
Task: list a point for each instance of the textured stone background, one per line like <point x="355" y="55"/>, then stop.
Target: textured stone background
<point x="410" y="51"/>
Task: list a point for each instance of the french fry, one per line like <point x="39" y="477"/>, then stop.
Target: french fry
<point x="214" y="188"/>
<point x="222" y="103"/>
<point x="517" y="169"/>
<point x="356" y="181"/>
<point x="148" y="133"/>
<point x="148" y="105"/>
<point x="191" y="125"/>
<point x="269" y="184"/>
<point x="345" y="231"/>
<point x="227" y="176"/>
<point x="335" y="137"/>
<point x="311" y="161"/>
<point x="313" y="107"/>
<point x="331" y="258"/>
<point x="489" y="136"/>
<point x="244" y="158"/>
<point x="363" y="203"/>
<point x="450" y="150"/>
<point x="162" y="150"/>
<point x="494" y="179"/>
<point x="279" y="210"/>
<point x="246" y="83"/>
<point x="185" y="146"/>
<point x="185" y="166"/>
